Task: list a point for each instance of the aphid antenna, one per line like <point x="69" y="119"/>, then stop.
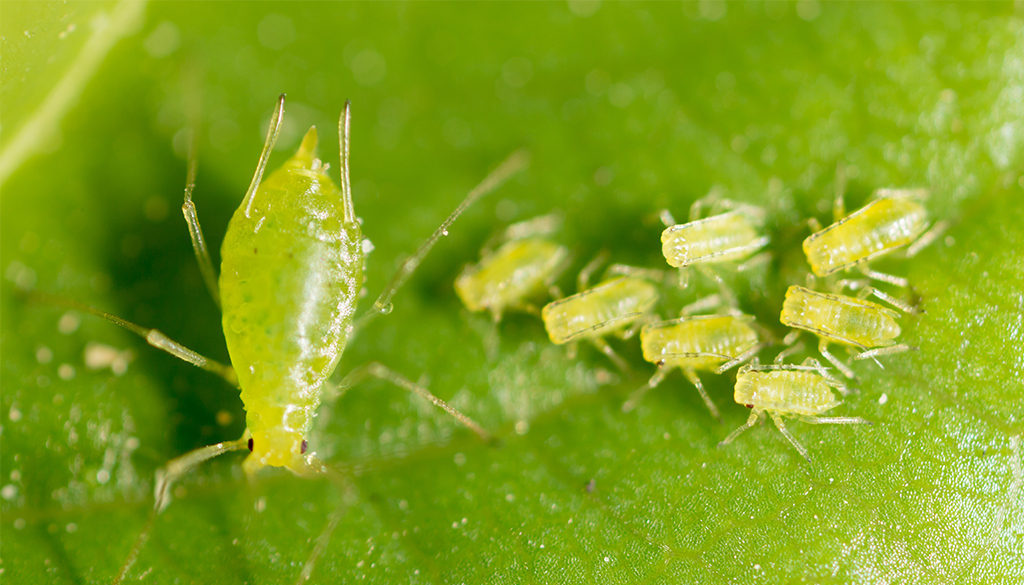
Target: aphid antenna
<point x="188" y="209"/>
<point x="883" y="277"/>
<point x="652" y="274"/>
<point x="752" y="420"/>
<point x="268" y="145"/>
<point x="516" y="162"/>
<point x="347" y="488"/>
<point x="344" y="140"/>
<point x="732" y="363"/>
<point x="933" y="233"/>
<point x="587" y="272"/>
<point x="702" y="304"/>
<point x="635" y="396"/>
<point x="666" y="218"/>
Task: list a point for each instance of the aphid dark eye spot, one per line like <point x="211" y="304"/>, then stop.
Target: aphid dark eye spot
<point x="660" y="363"/>
<point x="749" y="405"/>
<point x="305" y="445"/>
<point x="250" y="444"/>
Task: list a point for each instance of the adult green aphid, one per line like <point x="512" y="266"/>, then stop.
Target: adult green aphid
<point x="849" y="321"/>
<point x="778" y="391"/>
<point x="726" y="237"/>
<point x="523" y="268"/>
<point x="892" y="219"/>
<point x="614" y="306"/>
<point x="713" y="343"/>
<point x="291" y="273"/>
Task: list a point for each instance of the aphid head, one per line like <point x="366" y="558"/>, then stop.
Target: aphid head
<point x="281" y="443"/>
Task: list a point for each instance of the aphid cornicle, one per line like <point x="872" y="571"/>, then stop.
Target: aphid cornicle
<point x="892" y="219"/>
<point x="841" y="319"/>
<point x="712" y="343"/>
<point x="803" y="391"/>
<point x="726" y="237"/>
<point x="608" y="308"/>
<point x="291" y="273"/>
<point x="523" y="268"/>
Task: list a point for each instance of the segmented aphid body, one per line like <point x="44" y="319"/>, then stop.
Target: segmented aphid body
<point x="791" y="390"/>
<point x="697" y="343"/>
<point x="778" y="391"/>
<point x="894" y="219"/>
<point x="840" y="318"/>
<point x="606" y="308"/>
<point x="509" y="277"/>
<point x="291" y="271"/>
<point x="726" y="237"/>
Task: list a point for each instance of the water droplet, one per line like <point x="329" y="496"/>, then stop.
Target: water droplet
<point x="444" y="232"/>
<point x="385" y="308"/>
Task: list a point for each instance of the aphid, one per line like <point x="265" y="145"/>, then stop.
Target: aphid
<point x="523" y="268"/>
<point x="291" y="273"/>
<point x="726" y="237"/>
<point x="615" y="306"/>
<point x="849" y="321"/>
<point x="711" y="343"/>
<point x="803" y="391"/>
<point x="893" y="219"/>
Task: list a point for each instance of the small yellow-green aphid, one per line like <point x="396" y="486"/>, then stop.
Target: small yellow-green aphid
<point x="712" y="343"/>
<point x="522" y="269"/>
<point x="849" y="321"/>
<point x="893" y="219"/>
<point x="803" y="391"/>
<point x="612" y="307"/>
<point x="726" y="237"/>
<point x="291" y="274"/>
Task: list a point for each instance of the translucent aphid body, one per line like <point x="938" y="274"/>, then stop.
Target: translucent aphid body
<point x="895" y="218"/>
<point x="520" y="270"/>
<point x="841" y="319"/>
<point x="727" y="237"/>
<point x="696" y="343"/>
<point x="605" y="308"/>
<point x="291" y="270"/>
<point x="803" y="391"/>
<point x="608" y="308"/>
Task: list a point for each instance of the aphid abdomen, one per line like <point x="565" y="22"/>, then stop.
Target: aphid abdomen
<point x="784" y="390"/>
<point x="699" y="343"/>
<point x="592" y="313"/>
<point x="840" y="318"/>
<point x="720" y="238"/>
<point x="518" y="270"/>
<point x="880" y="226"/>
<point x="290" y="277"/>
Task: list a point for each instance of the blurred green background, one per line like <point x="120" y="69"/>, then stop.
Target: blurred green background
<point x="626" y="109"/>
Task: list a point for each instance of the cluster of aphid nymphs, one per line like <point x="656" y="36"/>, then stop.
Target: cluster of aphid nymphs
<point x="525" y="266"/>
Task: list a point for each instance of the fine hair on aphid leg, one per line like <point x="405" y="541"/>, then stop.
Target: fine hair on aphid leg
<point x="289" y="284"/>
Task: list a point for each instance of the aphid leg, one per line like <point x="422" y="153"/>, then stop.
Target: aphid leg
<point x="839" y="201"/>
<point x="792" y="346"/>
<point x="835" y="420"/>
<point x="666" y="218"/>
<point x="701" y="304"/>
<point x="380" y="371"/>
<point x="878" y="351"/>
<point x="165" y="478"/>
<point x="583" y="280"/>
<point x="653" y="274"/>
<point x="845" y="369"/>
<point x="751" y="421"/>
<point x="739" y="359"/>
<point x="695" y="380"/>
<point x="727" y="296"/>
<point x="556" y="292"/>
<point x="927" y="238"/>
<point x="153" y="337"/>
<point x="814" y="224"/>
<point x="881" y="276"/>
<point x="607" y="350"/>
<point x="757" y="259"/>
<point x="268" y="145"/>
<point x="683" y="280"/>
<point x="636" y="395"/>
<point x="510" y="166"/>
<point x="188" y="209"/>
<point x="872" y="291"/>
<point x="785" y="433"/>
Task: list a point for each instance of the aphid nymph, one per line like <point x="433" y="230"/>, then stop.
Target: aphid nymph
<point x="726" y="237"/>
<point x="523" y="268"/>
<point x="849" y="321"/>
<point x="711" y="343"/>
<point x="291" y="274"/>
<point x="614" y="306"/>
<point x="803" y="391"/>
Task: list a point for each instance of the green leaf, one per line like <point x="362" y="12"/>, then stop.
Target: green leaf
<point x="626" y="109"/>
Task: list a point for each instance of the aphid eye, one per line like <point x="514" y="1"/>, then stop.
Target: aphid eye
<point x="660" y="363"/>
<point x="302" y="449"/>
<point x="250" y="444"/>
<point x="749" y="405"/>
